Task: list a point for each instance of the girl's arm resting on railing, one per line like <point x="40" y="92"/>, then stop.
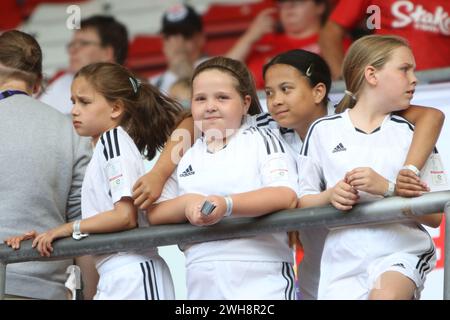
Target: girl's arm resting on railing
<point x="247" y="204"/>
<point x="122" y="217"/>
<point x="173" y="210"/>
<point x="263" y="201"/>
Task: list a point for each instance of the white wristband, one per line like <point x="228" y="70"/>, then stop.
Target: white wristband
<point x="413" y="168"/>
<point x="390" y="192"/>
<point x="229" y="203"/>
<point x="76" y="234"/>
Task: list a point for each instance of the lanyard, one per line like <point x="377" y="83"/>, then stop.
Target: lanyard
<point x="9" y="93"/>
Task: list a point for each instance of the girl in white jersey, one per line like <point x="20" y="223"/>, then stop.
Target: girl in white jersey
<point x="297" y="83"/>
<point x="356" y="155"/>
<point x="242" y="171"/>
<point x="117" y="111"/>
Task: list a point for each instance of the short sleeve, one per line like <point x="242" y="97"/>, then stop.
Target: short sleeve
<point x="311" y="176"/>
<point x="278" y="167"/>
<point x="170" y="189"/>
<point x="262" y="120"/>
<point x="122" y="165"/>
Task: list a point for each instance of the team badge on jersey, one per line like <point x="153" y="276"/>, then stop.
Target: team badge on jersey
<point x="434" y="174"/>
<point x="115" y="174"/>
<point x="276" y="168"/>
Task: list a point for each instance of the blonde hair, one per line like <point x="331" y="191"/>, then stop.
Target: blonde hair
<point x="373" y="50"/>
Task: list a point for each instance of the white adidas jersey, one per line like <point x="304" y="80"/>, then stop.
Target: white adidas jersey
<point x="115" y="166"/>
<point x="333" y="146"/>
<point x="312" y="239"/>
<point x="254" y="158"/>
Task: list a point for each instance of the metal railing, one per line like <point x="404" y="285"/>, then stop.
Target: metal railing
<point x="386" y="210"/>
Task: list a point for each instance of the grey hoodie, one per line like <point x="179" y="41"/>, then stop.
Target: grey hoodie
<point x="42" y="164"/>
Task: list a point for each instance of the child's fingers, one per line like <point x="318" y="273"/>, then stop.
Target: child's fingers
<point x="49" y="248"/>
<point x="358" y="182"/>
<point x="145" y="205"/>
<point x="35" y="242"/>
<point x="412" y="187"/>
<point x="340" y="206"/>
<point x="45" y="250"/>
<point x="409" y="174"/>
<point x="137" y="187"/>
<point x="15" y="243"/>
<point x="410" y="180"/>
<point x="351" y="193"/>
<point x="345" y="200"/>
<point x="409" y="193"/>
<point x="9" y="242"/>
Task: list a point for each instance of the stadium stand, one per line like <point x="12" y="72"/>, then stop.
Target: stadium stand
<point x="224" y="20"/>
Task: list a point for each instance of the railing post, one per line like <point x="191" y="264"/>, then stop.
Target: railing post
<point x="2" y="280"/>
<point x="447" y="253"/>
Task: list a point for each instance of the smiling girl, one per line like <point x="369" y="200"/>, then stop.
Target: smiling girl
<point x="242" y="171"/>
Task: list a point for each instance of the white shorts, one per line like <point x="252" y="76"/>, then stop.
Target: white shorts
<point x="350" y="271"/>
<point x="137" y="278"/>
<point x="240" y="280"/>
<point x="414" y="267"/>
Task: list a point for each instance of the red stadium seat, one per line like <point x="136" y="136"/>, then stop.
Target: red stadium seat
<point x="145" y="55"/>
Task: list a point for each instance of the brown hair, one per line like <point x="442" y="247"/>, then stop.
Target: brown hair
<point x="21" y="57"/>
<point x="373" y="50"/>
<point x="149" y="116"/>
<point x="111" y="33"/>
<point x="238" y="70"/>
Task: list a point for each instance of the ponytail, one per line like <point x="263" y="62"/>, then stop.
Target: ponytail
<point x="151" y="120"/>
<point x="348" y="101"/>
<point x="149" y="116"/>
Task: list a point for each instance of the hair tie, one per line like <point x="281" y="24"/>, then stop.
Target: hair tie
<point x="349" y="93"/>
<point x="135" y="83"/>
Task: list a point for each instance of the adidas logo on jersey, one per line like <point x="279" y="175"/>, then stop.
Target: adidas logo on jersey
<point x="401" y="265"/>
<point x="339" y="147"/>
<point x="187" y="172"/>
